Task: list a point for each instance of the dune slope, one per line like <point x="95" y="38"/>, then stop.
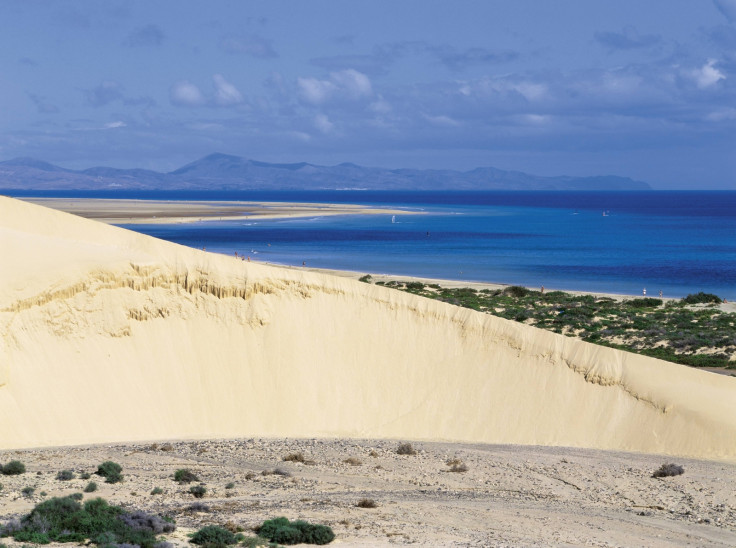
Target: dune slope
<point x="109" y="335"/>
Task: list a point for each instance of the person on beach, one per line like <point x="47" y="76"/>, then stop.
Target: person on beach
<point x="660" y="293"/>
<point x="644" y="292"/>
<point x="542" y="290"/>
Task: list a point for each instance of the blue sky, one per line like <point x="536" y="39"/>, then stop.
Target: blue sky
<point x="575" y="87"/>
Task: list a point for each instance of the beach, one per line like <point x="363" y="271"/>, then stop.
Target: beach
<point x="131" y="212"/>
<point x="110" y="337"/>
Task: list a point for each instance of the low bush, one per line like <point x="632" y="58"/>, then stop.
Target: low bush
<point x="198" y="507"/>
<point x="28" y="491"/>
<point x="230" y="485"/>
<point x="352" y="461"/>
<point x="111" y="471"/>
<point x="405" y="449"/>
<point x="644" y="302"/>
<point x="667" y="470"/>
<point x="516" y="291"/>
<point x="366" y="279"/>
<point x="156" y="491"/>
<point x="459" y="467"/>
<point x="63" y="519"/>
<point x="295" y="457"/>
<point x="214" y="536"/>
<point x="702" y="298"/>
<point x="91" y="487"/>
<point x="197" y="491"/>
<point x="184" y="475"/>
<point x="65" y="475"/>
<point x="366" y="503"/>
<point x="14" y="468"/>
<point x="282" y="531"/>
<point x="85" y="475"/>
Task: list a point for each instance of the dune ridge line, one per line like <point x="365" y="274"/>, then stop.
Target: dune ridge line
<point x="108" y="335"/>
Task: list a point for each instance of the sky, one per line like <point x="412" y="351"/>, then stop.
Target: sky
<point x="641" y="89"/>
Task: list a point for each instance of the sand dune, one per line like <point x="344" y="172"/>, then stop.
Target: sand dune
<point x="108" y="335"/>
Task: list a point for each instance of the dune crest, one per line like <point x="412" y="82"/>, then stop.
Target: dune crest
<point x="108" y="335"/>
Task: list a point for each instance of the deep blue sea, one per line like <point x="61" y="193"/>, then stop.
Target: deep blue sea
<point x="616" y="242"/>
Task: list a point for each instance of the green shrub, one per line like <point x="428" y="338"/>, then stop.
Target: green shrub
<point x="157" y="491"/>
<point x="214" y="536"/>
<point x="230" y="485"/>
<point x="28" y="491"/>
<point x="66" y="520"/>
<point x="184" y="475"/>
<point x="366" y="279"/>
<point x="85" y="475"/>
<point x="65" y="475"/>
<point x="702" y="298"/>
<point x="91" y="487"/>
<point x="644" y="302"/>
<point x="516" y="291"/>
<point x="282" y="531"/>
<point x="198" y="491"/>
<point x="14" y="468"/>
<point x="415" y="286"/>
<point x="110" y="471"/>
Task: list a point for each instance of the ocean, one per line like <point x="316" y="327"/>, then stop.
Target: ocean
<point x="614" y="242"/>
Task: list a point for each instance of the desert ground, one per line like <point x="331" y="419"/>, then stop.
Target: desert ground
<point x="509" y="496"/>
<point x="112" y="342"/>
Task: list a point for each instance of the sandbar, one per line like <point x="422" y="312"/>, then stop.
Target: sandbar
<point x="130" y="212"/>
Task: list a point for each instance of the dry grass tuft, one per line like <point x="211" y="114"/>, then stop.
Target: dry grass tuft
<point x="406" y="449"/>
<point x="366" y="503"/>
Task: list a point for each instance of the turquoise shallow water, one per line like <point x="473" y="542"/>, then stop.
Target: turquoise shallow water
<point x="618" y="242"/>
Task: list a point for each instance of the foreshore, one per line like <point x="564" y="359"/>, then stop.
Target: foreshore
<point x="129" y="212"/>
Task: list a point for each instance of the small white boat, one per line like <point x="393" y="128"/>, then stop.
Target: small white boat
<point x="393" y="219"/>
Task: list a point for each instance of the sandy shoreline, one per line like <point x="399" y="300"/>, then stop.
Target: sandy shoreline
<point x="128" y="212"/>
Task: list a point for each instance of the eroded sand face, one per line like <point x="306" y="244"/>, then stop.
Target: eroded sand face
<point x="509" y="496"/>
<point x="109" y="335"/>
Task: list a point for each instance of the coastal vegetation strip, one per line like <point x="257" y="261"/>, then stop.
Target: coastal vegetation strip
<point x="692" y="331"/>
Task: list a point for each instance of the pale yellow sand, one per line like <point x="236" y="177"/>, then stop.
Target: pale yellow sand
<point x="111" y="335"/>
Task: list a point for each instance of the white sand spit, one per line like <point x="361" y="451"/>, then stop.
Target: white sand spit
<point x="108" y="335"/>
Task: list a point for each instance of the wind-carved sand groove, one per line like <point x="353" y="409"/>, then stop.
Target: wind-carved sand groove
<point x="108" y="335"/>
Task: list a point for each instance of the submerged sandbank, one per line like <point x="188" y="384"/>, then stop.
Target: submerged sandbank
<point x="128" y="212"/>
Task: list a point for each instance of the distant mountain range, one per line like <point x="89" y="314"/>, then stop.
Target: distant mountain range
<point x="226" y="172"/>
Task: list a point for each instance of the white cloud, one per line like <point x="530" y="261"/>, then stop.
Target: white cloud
<point x="380" y="106"/>
<point x="722" y="115"/>
<point x="353" y="82"/>
<point x="315" y="91"/>
<point x="113" y="125"/>
<point x="441" y="120"/>
<point x="226" y="94"/>
<point x="345" y="84"/>
<point x="707" y="75"/>
<point x="531" y="91"/>
<point x="322" y="123"/>
<point x="186" y="94"/>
